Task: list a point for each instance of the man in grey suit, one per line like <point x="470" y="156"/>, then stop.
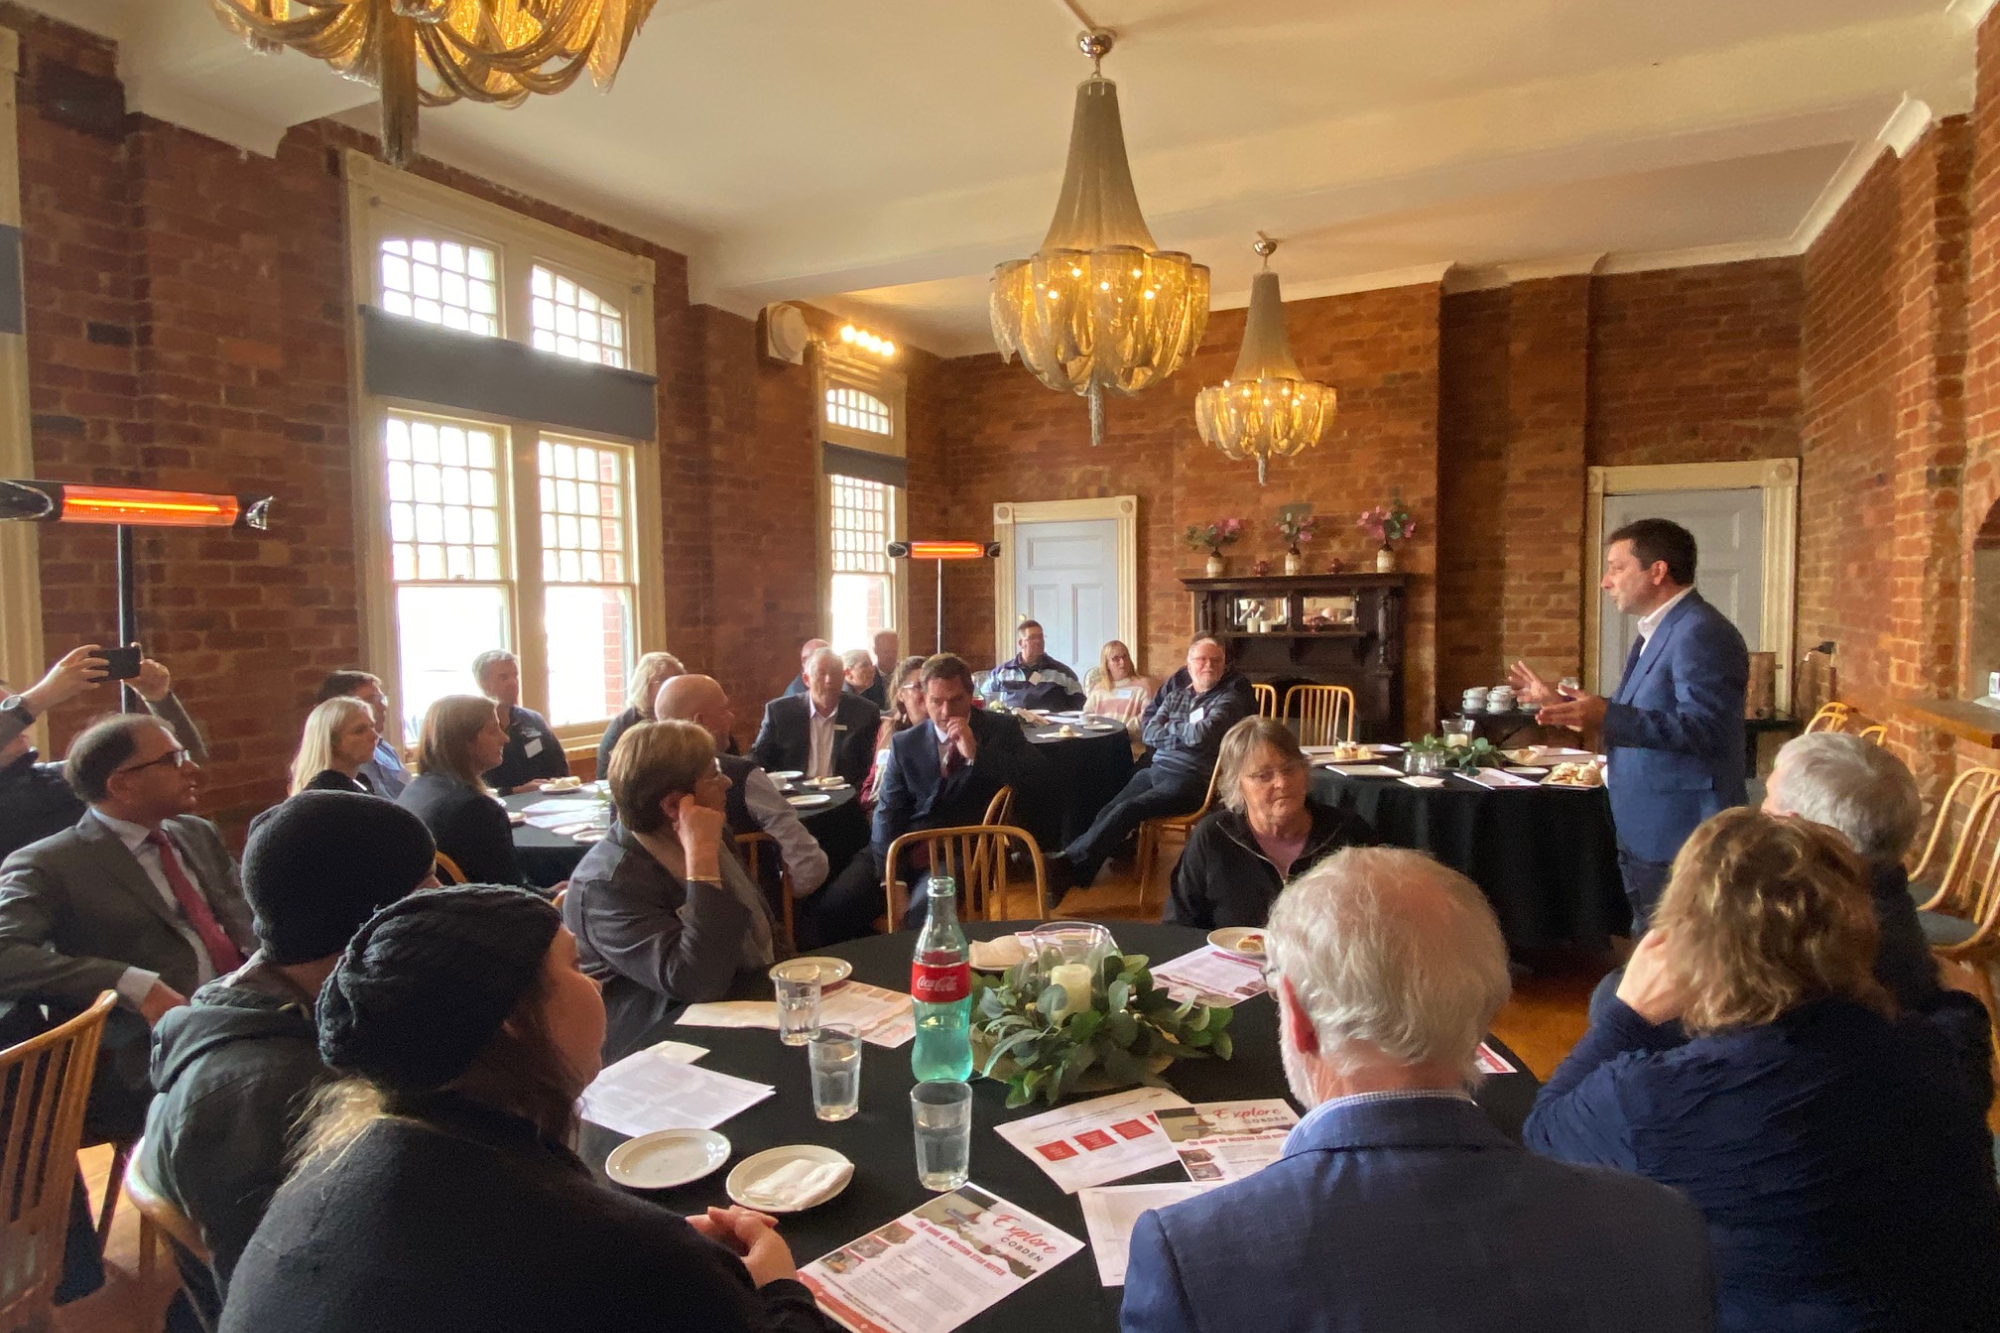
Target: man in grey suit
<point x="1397" y="1204"/>
<point x="140" y="897"/>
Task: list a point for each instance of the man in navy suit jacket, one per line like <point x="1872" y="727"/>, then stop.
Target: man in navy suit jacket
<point x="1397" y="1204"/>
<point x="1674" y="727"/>
<point x="824" y="733"/>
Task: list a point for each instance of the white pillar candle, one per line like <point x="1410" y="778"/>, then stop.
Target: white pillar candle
<point x="1074" y="978"/>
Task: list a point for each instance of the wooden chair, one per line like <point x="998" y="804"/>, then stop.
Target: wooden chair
<point x="44" y="1083"/>
<point x="1953" y="813"/>
<point x="751" y="847"/>
<point x="157" y="1214"/>
<point x="1157" y="836"/>
<point x="1000" y="810"/>
<point x="1830" y="717"/>
<point x="448" y="871"/>
<point x="1875" y="735"/>
<point x="1962" y="919"/>
<point x="976" y="856"/>
<point x="1326" y="713"/>
<point x="1267" y="699"/>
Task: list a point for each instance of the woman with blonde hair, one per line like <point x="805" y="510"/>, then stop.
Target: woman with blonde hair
<point x="651" y="671"/>
<point x="906" y="710"/>
<point x="1752" y="1061"/>
<point x="339" y="740"/>
<point x="1117" y="690"/>
<point x="462" y="738"/>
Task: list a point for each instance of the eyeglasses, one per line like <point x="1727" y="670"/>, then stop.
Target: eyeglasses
<point x="177" y="757"/>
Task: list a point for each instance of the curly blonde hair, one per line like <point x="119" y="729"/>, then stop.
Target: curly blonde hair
<point x="1764" y="913"/>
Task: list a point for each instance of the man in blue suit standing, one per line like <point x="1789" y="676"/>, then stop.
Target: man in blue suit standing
<point x="1674" y="728"/>
<point x="1397" y="1204"/>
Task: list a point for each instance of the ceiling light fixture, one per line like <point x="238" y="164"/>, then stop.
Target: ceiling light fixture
<point x="1099" y="308"/>
<point x="854" y="337"/>
<point x="482" y="50"/>
<point x="1266" y="409"/>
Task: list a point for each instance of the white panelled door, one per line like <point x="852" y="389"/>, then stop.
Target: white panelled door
<point x="1728" y="528"/>
<point x="1066" y="576"/>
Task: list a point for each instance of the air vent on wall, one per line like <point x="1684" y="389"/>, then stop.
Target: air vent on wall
<point x="785" y="333"/>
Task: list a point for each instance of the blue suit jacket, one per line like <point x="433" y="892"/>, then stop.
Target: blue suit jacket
<point x="1414" y="1216"/>
<point x="914" y="793"/>
<point x="1674" y="731"/>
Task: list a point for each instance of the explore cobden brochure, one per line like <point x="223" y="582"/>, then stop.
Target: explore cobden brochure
<point x="932" y="1269"/>
<point x="1219" y="1141"/>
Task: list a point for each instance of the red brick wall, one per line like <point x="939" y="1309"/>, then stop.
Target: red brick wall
<point x="1473" y="429"/>
<point x="1541" y="603"/>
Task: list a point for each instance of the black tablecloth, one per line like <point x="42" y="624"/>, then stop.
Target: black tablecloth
<point x="1078" y="777"/>
<point x="878" y="1140"/>
<point x="1546" y="856"/>
<point x="548" y="858"/>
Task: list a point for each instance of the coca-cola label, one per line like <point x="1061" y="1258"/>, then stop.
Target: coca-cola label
<point x="940" y="983"/>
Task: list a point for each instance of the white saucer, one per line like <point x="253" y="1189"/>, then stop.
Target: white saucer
<point x="807" y="802"/>
<point x="832" y="971"/>
<point x="1229" y="937"/>
<point x="667" y="1158"/>
<point x="1526" y="771"/>
<point x="753" y="1169"/>
<point x="784" y="774"/>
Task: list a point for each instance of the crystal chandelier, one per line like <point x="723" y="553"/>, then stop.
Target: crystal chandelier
<point x="1266" y="409"/>
<point x="483" y="50"/>
<point x="1099" y="308"/>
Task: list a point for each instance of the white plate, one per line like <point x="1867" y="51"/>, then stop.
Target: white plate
<point x="825" y="784"/>
<point x="784" y="774"/>
<point x="1527" y="771"/>
<point x="1230" y="938"/>
<point x="590" y="835"/>
<point x="667" y="1158"/>
<point x="832" y="971"/>
<point x="805" y="802"/>
<point x="753" y="1169"/>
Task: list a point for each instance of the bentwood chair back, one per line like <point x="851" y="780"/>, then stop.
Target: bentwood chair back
<point x="1167" y="833"/>
<point x="44" y="1083"/>
<point x="448" y="871"/>
<point x="1953" y="814"/>
<point x="1875" y="735"/>
<point x="1000" y="810"/>
<point x="157" y="1214"/>
<point x="1970" y="889"/>
<point x="1326" y="713"/>
<point x="750" y="846"/>
<point x="976" y="857"/>
<point x="1267" y="699"/>
<point x="1830" y="717"/>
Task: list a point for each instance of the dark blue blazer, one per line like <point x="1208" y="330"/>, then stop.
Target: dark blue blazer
<point x="914" y="794"/>
<point x="1418" y="1216"/>
<point x="784" y="741"/>
<point x="1846" y="1178"/>
<point x="1674" y="731"/>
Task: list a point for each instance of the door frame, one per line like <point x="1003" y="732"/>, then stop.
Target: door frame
<point x="1778" y="478"/>
<point x="1123" y="508"/>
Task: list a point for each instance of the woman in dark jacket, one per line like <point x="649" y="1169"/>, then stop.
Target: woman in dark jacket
<point x="339" y="737"/>
<point x="651" y="671"/>
<point x="439" y="1193"/>
<point x="1846" y="1179"/>
<point x="463" y="738"/>
<point x="1267" y="832"/>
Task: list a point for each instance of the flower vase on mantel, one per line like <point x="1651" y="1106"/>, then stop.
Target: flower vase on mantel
<point x="1385" y="560"/>
<point x="1294" y="562"/>
<point x="1217" y="566"/>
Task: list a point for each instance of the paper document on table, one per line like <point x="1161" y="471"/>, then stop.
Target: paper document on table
<point x="644" y="1092"/>
<point x="1219" y="1141"/>
<point x="1491" y="1061"/>
<point x="1105" y="1138"/>
<point x="1111" y="1211"/>
<point x="1497" y="777"/>
<point x="576" y="807"/>
<point x="731" y="1014"/>
<point x="678" y="1051"/>
<point x="932" y="1269"/>
<point x="883" y="1017"/>
<point x="565" y="825"/>
<point x="1362" y="770"/>
<point x="1211" y="977"/>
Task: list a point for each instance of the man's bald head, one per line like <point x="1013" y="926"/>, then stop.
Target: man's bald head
<point x="697" y="699"/>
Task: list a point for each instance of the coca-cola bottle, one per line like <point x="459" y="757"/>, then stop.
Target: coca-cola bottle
<point x="941" y="991"/>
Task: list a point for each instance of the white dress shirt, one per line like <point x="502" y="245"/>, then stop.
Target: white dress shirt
<point x="136" y="981"/>
<point x="1651" y="621"/>
<point x="819" y="759"/>
<point x="804" y="858"/>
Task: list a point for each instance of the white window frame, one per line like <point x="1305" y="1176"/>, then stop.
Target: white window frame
<point x="380" y="201"/>
<point x="835" y="368"/>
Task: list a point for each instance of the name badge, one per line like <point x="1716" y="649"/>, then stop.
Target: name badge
<point x="532" y="748"/>
<point x="1035" y="678"/>
<point x="840" y="726"/>
<point x="1194" y="718"/>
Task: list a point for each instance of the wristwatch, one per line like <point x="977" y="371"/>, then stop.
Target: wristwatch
<point x="18" y="704"/>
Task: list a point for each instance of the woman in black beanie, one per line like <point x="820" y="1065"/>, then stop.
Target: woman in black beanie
<point x="437" y="1191"/>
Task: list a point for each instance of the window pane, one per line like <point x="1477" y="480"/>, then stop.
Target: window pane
<point x="441" y="631"/>
<point x="574" y="321"/>
<point x="440" y="282"/>
<point x="858" y="411"/>
<point x="861" y="607"/>
<point x="589" y="652"/>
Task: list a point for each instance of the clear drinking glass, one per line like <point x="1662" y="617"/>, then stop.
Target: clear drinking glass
<point x="798" y="1001"/>
<point x="835" y="1056"/>
<point x="942" y="1115"/>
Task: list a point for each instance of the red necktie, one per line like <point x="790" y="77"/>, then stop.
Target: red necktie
<point x="223" y="954"/>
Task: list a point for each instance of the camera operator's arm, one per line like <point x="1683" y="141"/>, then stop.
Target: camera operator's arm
<point x="76" y="671"/>
<point x="156" y="686"/>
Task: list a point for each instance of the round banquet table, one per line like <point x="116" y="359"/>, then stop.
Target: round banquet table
<point x="1545" y="856"/>
<point x="1080" y="775"/>
<point x="878" y="1139"/>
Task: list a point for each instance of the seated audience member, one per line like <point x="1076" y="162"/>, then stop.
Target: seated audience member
<point x="663" y="912"/>
<point x="886" y="655"/>
<point x="1031" y="678"/>
<point x="533" y="754"/>
<point x="1185" y="726"/>
<point x="1865" y="794"/>
<point x="462" y="738"/>
<point x="863" y="680"/>
<point x="1268" y="831"/>
<point x="138" y="897"/>
<point x="1846" y="1180"/>
<point x="649" y="673"/>
<point x="906" y="710"/>
<point x="941" y="773"/>
<point x="35" y="799"/>
<point x="236" y="1066"/>
<point x="1119" y="691"/>
<point x="1396" y="1203"/>
<point x="336" y="749"/>
<point x="806" y="651"/>
<point x="824" y="734"/>
<point x="384" y="772"/>
<point x="754" y="803"/>
<point x="438" y="1190"/>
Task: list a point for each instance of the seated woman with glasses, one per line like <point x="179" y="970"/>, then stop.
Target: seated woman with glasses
<point x="906" y="710"/>
<point x="339" y="740"/>
<point x="1752" y="1061"/>
<point x="1268" y="831"/>
<point x="663" y="913"/>
<point x="463" y="738"/>
<point x="439" y="1189"/>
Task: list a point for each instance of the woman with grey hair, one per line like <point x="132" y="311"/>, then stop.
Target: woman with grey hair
<point x="651" y="671"/>
<point x="1268" y="830"/>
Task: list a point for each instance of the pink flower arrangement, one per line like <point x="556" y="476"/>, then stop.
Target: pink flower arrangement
<point x="1294" y="525"/>
<point x="1387" y="524"/>
<point x="1215" y="535"/>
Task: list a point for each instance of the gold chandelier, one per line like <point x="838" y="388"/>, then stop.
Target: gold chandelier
<point x="482" y="50"/>
<point x="1099" y="308"/>
<point x="1266" y="409"/>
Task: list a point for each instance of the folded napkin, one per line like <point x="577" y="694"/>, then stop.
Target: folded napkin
<point x="1423" y="780"/>
<point x="998" y="955"/>
<point x="797" y="1183"/>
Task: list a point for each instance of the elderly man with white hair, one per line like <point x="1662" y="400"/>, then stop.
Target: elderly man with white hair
<point x="823" y="733"/>
<point x="1397" y="1204"/>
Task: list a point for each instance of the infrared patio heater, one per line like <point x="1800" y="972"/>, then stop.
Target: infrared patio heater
<point x="125" y="508"/>
<point x="941" y="552"/>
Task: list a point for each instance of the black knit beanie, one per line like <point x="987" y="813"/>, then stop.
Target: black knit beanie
<point x="319" y="865"/>
<point x="426" y="983"/>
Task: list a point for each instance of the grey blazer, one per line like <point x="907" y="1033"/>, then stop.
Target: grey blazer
<point x="76" y="910"/>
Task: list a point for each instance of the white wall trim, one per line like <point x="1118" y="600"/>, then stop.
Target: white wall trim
<point x="1124" y="508"/>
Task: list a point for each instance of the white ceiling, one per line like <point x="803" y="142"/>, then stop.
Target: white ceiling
<point x="879" y="156"/>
